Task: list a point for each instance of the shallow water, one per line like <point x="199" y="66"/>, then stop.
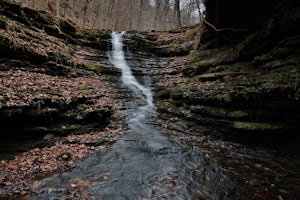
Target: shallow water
<point x="142" y="164"/>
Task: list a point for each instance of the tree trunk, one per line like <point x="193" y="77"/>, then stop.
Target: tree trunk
<point x="177" y="12"/>
<point x="199" y="10"/>
<point x="57" y="8"/>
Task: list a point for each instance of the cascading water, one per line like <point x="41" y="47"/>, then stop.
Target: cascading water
<point x="143" y="164"/>
<point x="118" y="60"/>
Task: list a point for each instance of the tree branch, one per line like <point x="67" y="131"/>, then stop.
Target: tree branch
<point x="223" y="29"/>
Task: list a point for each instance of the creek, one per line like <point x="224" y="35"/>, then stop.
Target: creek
<point x="142" y="164"/>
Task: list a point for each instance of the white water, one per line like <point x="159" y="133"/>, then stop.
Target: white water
<point x="118" y="60"/>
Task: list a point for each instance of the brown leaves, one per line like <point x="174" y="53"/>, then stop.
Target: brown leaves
<point x="79" y="183"/>
<point x="79" y="190"/>
<point x="22" y="88"/>
<point x="18" y="175"/>
<point x="36" y="41"/>
<point x="21" y="85"/>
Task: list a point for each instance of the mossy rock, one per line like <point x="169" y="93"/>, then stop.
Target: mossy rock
<point x="100" y="69"/>
<point x="81" y="107"/>
<point x="151" y="37"/>
<point x="177" y="41"/>
<point x="214" y="76"/>
<point x="79" y="34"/>
<point x="82" y="87"/>
<point x="256" y="126"/>
<point x="52" y="30"/>
<point x="51" y="91"/>
<point x="39" y="19"/>
<point x="43" y="113"/>
<point x="67" y="27"/>
<point x="167" y="106"/>
<point x="237" y="114"/>
<point x="162" y="94"/>
<point x="45" y="18"/>
<point x="87" y="34"/>
<point x="172" y="50"/>
<point x="226" y="97"/>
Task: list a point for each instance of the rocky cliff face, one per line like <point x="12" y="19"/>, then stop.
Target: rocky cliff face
<point x="246" y="85"/>
<point x="234" y="92"/>
<point x="53" y="78"/>
<point x="58" y="96"/>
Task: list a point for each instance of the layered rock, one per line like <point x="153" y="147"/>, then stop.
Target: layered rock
<point x="55" y="78"/>
<point x="241" y="86"/>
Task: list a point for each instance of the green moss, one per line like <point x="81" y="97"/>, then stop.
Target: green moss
<point x="81" y="107"/>
<point x="67" y="27"/>
<point x="248" y="92"/>
<point x="78" y="34"/>
<point x="240" y="66"/>
<point x="100" y="69"/>
<point x="94" y="67"/>
<point x="177" y="41"/>
<point x="84" y="89"/>
<point x="45" y="18"/>
<point x="89" y="91"/>
<point x="180" y="88"/>
<point x="162" y="94"/>
<point x="256" y="126"/>
<point x="52" y="30"/>
<point x="24" y="36"/>
<point x="237" y="114"/>
<point x="166" y="106"/>
<point x="87" y="34"/>
<point x="51" y="91"/>
<point x="224" y="97"/>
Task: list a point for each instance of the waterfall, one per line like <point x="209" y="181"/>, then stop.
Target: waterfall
<point x="118" y="60"/>
<point x="143" y="163"/>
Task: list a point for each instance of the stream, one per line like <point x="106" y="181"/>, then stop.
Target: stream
<point x="143" y="163"/>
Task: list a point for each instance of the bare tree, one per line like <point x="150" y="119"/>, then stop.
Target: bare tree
<point x="57" y="8"/>
<point x="124" y="14"/>
<point x="177" y="12"/>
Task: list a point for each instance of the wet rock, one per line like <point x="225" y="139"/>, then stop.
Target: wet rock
<point x="49" y="137"/>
